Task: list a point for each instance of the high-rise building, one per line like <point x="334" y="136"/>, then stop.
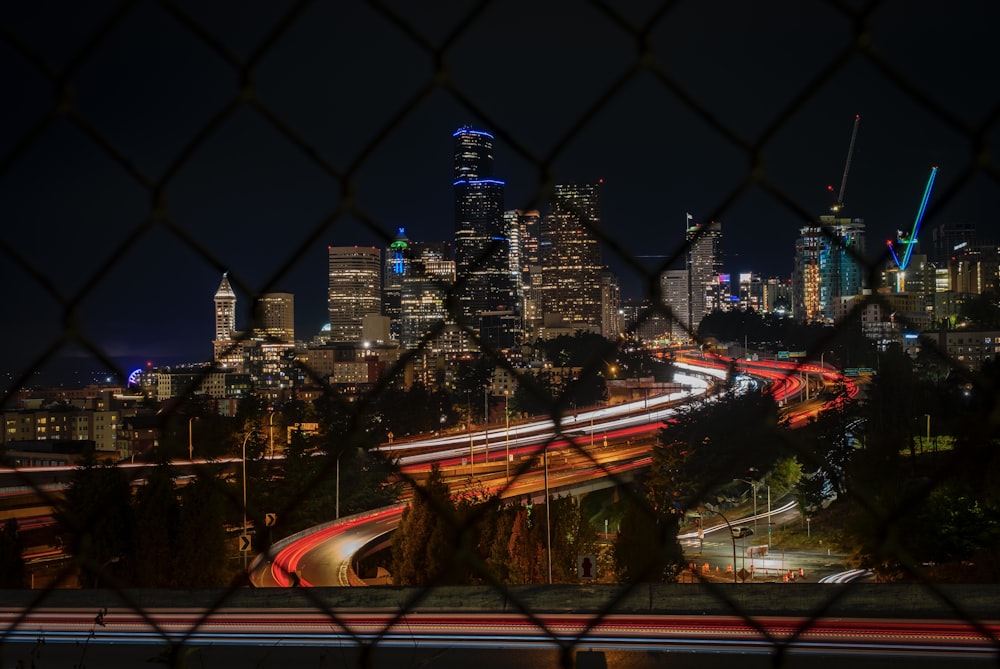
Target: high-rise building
<point x="948" y="239"/>
<point x="676" y="295"/>
<point x="751" y="292"/>
<point x="226" y="345"/>
<point x="523" y="231"/>
<point x="355" y="290"/>
<point x="275" y="318"/>
<point x="482" y="253"/>
<point x="429" y="275"/>
<point x="571" y="258"/>
<point x="827" y="267"/>
<point x="704" y="265"/>
<point x="397" y="259"/>
<point x="611" y="305"/>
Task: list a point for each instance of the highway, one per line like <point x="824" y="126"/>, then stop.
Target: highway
<point x="322" y="556"/>
<point x="118" y="636"/>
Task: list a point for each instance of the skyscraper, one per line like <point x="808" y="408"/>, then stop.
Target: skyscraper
<point x="676" y="295"/>
<point x="571" y="257"/>
<point x="225" y="345"/>
<point x="825" y="268"/>
<point x="275" y="318"/>
<point x="355" y="290"/>
<point x="482" y="255"/>
<point x="523" y="230"/>
<point x="424" y="292"/>
<point x="704" y="265"/>
<point x="397" y="260"/>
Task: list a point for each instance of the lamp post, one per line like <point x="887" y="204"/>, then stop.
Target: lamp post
<point x="506" y="413"/>
<point x="244" y="458"/>
<point x="732" y="535"/>
<point x="270" y="433"/>
<point x="753" y="485"/>
<point x="486" y="422"/>
<point x="336" y="511"/>
<point x="468" y="421"/>
<point x="769" y="517"/>
<point x="548" y="523"/>
<point x="191" y="421"/>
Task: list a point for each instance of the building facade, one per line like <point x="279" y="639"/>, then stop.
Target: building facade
<point x="828" y="267"/>
<point x="482" y="251"/>
<point x="274" y="320"/>
<point x="570" y="256"/>
<point x="703" y="263"/>
<point x="226" y="349"/>
<point x="355" y="290"/>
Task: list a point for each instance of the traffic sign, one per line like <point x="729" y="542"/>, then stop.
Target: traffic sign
<point x="270" y="519"/>
<point x="244" y="543"/>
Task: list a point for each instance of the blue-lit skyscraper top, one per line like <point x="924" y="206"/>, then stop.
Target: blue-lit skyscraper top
<point x="397" y="253"/>
<point x="473" y="154"/>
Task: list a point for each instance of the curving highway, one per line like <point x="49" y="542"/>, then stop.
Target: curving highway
<point x="323" y="555"/>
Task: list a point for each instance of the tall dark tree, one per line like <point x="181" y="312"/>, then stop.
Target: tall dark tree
<point x="97" y="516"/>
<point x="12" y="568"/>
<point x="155" y="531"/>
<point x="201" y="546"/>
<point x="646" y="549"/>
<point x="572" y="535"/>
<point x="425" y="539"/>
<point x="707" y="447"/>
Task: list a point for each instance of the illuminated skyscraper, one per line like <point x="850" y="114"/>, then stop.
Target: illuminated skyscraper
<point x="704" y="265"/>
<point x="225" y="345"/>
<point x="275" y="318"/>
<point x="523" y="231"/>
<point x="482" y="255"/>
<point x="355" y="290"/>
<point x="429" y="275"/>
<point x="676" y="294"/>
<point x="397" y="260"/>
<point x="825" y="268"/>
<point x="570" y="256"/>
<point x="611" y="302"/>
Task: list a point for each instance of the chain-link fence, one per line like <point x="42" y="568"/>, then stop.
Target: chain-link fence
<point x="948" y="482"/>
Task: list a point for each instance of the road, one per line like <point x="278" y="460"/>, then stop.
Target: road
<point x="274" y="638"/>
<point x="291" y="562"/>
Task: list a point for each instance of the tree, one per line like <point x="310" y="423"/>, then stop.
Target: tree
<point x="155" y="521"/>
<point x="707" y="447"/>
<point x="11" y="556"/>
<point x="526" y="548"/>
<point x="201" y="546"/>
<point x="96" y="514"/>
<point x="572" y="535"/>
<point x="425" y="539"/>
<point x="646" y="549"/>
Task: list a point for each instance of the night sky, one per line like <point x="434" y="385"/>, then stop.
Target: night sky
<point x="364" y="94"/>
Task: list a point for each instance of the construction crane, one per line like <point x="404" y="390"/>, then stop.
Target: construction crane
<point x="912" y="239"/>
<point x="847" y="167"/>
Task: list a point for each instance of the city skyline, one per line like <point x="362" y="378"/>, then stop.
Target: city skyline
<point x="249" y="202"/>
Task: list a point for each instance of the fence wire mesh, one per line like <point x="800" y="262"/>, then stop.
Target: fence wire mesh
<point x="443" y="44"/>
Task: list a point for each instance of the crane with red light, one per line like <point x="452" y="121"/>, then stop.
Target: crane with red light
<point x="847" y="167"/>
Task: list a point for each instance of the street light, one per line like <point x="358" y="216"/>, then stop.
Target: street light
<point x="244" y="450"/>
<point x="191" y="437"/>
<point x="506" y="413"/>
<point x="732" y="534"/>
<point x="468" y="421"/>
<point x="753" y="485"/>
<point x="548" y="523"/>
<point x="337" y="494"/>
<point x="270" y="432"/>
